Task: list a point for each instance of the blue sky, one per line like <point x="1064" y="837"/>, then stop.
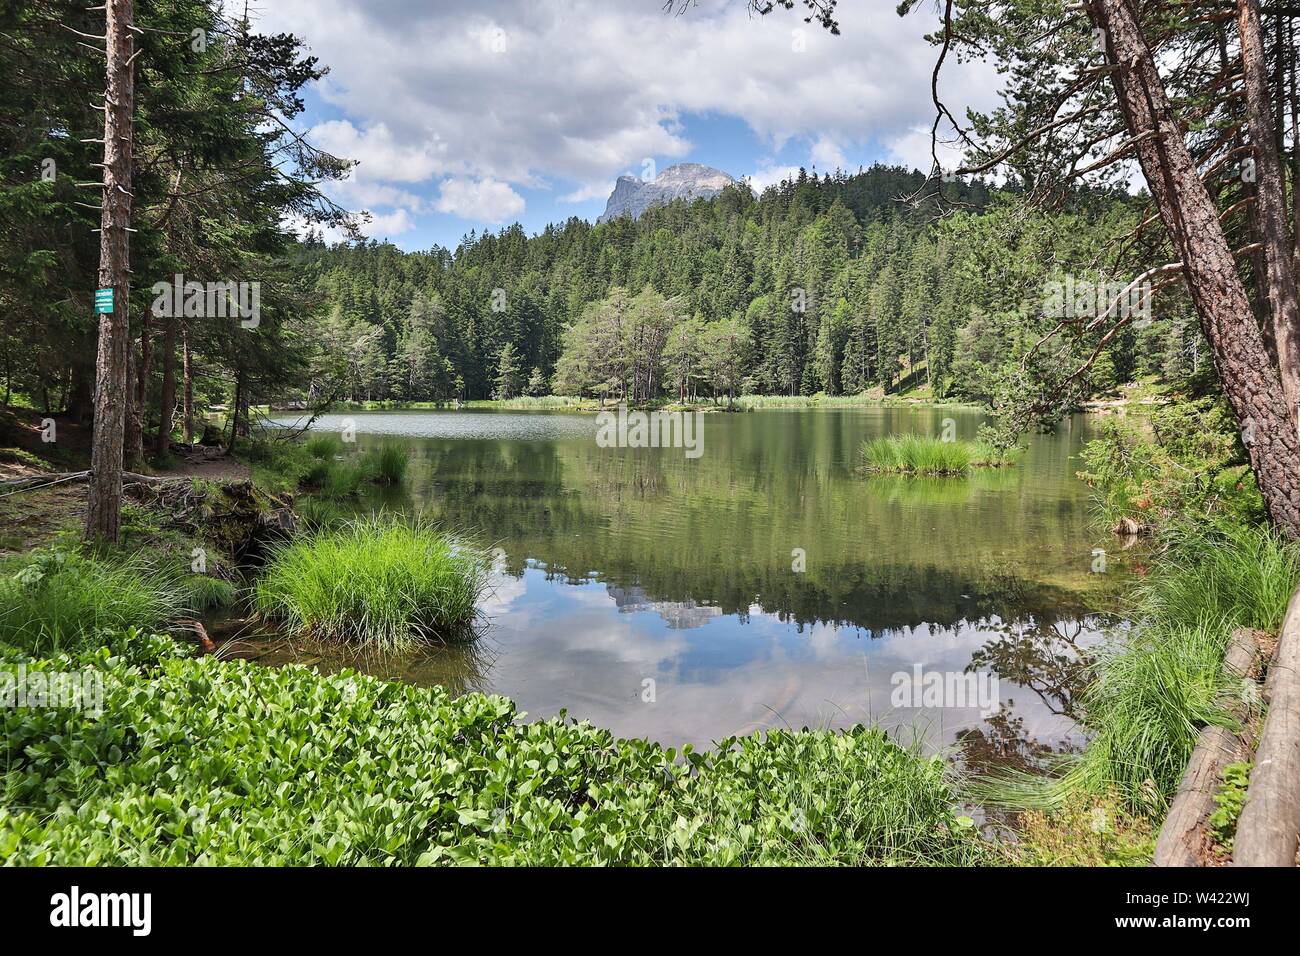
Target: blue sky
<point x="473" y="115"/>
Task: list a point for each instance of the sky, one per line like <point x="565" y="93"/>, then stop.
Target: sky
<point x="475" y="115"/>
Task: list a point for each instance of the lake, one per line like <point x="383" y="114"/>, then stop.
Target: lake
<point x="763" y="583"/>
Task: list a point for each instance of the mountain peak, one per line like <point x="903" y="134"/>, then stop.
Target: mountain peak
<point x="633" y="196"/>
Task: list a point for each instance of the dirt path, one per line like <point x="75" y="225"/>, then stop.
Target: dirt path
<point x="210" y="469"/>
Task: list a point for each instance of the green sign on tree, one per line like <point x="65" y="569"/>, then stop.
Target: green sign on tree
<point x="103" y="300"/>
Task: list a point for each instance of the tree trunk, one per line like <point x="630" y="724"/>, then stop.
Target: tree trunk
<point x="135" y="424"/>
<point x="188" y="391"/>
<point x="168" y="403"/>
<point x="234" y="411"/>
<point x="1270" y="206"/>
<point x="1250" y="382"/>
<point x="1295" y="148"/>
<point x="104" y="502"/>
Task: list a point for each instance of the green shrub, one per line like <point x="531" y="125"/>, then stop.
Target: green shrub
<point x="59" y="599"/>
<point x="228" y="763"/>
<point x="1184" y="463"/>
<point x="374" y="582"/>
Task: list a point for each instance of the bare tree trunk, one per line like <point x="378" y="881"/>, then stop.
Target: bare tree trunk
<point x="1270" y="205"/>
<point x="188" y="392"/>
<point x="168" y="399"/>
<point x="104" y="502"/>
<point x="1295" y="146"/>
<point x="135" y="423"/>
<point x="234" y="411"/>
<point x="1250" y="382"/>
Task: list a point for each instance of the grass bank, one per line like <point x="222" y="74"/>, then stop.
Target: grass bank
<point x="62" y="599"/>
<point x="228" y="763"/>
<point x="874" y="399"/>
<point x="1152" y="691"/>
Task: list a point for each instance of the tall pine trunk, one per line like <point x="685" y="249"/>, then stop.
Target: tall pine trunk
<point x="135" y="423"/>
<point x="104" y="504"/>
<point x="1270" y="206"/>
<point x="168" y="399"/>
<point x="187" y="423"/>
<point x="1251" y="383"/>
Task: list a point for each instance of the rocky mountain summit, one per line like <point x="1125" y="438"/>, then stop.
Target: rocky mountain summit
<point x="633" y="196"/>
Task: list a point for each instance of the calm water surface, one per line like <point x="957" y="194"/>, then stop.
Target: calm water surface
<point x="621" y="571"/>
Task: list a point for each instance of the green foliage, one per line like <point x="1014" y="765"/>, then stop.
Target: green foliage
<point x="924" y="455"/>
<point x="378" y="583"/>
<point x="1229" y="802"/>
<point x="343" y="479"/>
<point x="320" y="464"/>
<point x="316" y="513"/>
<point x="57" y="600"/>
<point x="822" y="284"/>
<point x="227" y="763"/>
<point x="1183" y="463"/>
<point x="1150" y="694"/>
<point x="1092" y="832"/>
<point x="1149" y="699"/>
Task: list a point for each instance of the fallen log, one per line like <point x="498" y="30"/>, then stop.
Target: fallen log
<point x="50" y="478"/>
<point x="1183" y="839"/>
<point x="1270" y="820"/>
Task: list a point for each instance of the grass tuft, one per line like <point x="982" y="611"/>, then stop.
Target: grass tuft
<point x="58" y="600"/>
<point x="386" y="465"/>
<point x="321" y="447"/>
<point x="922" y="455"/>
<point x="374" y="582"/>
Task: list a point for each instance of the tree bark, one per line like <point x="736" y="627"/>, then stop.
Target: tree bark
<point x="234" y="412"/>
<point x="1252" y="385"/>
<point x="1270" y="205"/>
<point x="188" y="399"/>
<point x="168" y="401"/>
<point x="135" y="423"/>
<point x="104" y="501"/>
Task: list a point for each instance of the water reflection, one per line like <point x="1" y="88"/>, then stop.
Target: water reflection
<point x="657" y="595"/>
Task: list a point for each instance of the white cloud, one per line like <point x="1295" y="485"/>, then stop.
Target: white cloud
<point x="379" y="155"/>
<point x="827" y="156"/>
<point x="486" y="200"/>
<point x="528" y="93"/>
<point x="383" y="225"/>
<point x="596" y="190"/>
<point x="770" y="175"/>
<point x="912" y="149"/>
